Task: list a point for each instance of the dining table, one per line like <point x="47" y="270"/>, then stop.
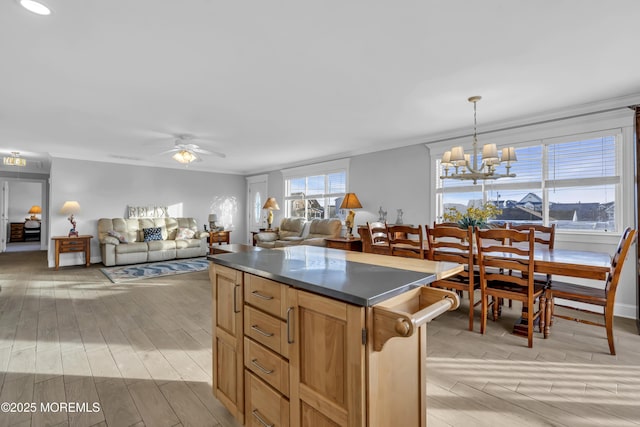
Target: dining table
<point x="562" y="262"/>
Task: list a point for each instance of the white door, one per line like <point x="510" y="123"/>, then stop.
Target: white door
<point x="256" y="196"/>
<point x="4" y="215"/>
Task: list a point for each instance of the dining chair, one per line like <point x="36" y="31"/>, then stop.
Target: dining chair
<point x="603" y="296"/>
<point x="506" y="271"/>
<point x="406" y="241"/>
<point x="454" y="244"/>
<point x="545" y="236"/>
<point x="378" y="233"/>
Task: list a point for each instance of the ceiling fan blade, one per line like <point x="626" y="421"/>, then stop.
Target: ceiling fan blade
<point x="173" y="150"/>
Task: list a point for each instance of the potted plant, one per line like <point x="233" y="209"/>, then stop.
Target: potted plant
<point x="473" y="216"/>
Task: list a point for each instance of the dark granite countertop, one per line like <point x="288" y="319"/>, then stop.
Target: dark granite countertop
<point x="326" y="272"/>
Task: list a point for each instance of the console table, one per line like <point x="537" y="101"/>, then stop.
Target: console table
<point x="64" y="244"/>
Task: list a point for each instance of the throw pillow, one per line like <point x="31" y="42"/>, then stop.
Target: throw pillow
<point x="185" y="234"/>
<point x="121" y="237"/>
<point x="150" y="234"/>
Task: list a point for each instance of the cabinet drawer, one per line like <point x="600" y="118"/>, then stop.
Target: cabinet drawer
<point x="267" y="365"/>
<point x="266" y="295"/>
<point x="71" y="246"/>
<point x="264" y="406"/>
<point x="266" y="329"/>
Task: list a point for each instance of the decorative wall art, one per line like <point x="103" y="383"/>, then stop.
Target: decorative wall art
<point x="147" y="211"/>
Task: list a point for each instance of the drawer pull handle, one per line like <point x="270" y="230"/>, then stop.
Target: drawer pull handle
<point x="260" y="331"/>
<point x="289" y="338"/>
<point x="259" y="295"/>
<point x="235" y="299"/>
<point x="259" y="418"/>
<point x="255" y="363"/>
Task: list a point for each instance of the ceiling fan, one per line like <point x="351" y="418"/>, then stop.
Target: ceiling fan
<point x="186" y="151"/>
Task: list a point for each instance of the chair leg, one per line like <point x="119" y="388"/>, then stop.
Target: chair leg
<point x="483" y="316"/>
<point x="547" y="313"/>
<point x="530" y="323"/>
<point x="608" y="320"/>
<point x="541" y="312"/>
<point x="471" y="305"/>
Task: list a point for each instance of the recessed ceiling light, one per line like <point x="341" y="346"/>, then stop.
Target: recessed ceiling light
<point x="35" y="7"/>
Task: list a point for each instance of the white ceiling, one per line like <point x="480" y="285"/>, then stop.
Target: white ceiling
<point x="278" y="83"/>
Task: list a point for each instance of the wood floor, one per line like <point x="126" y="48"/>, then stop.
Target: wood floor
<point x="142" y="351"/>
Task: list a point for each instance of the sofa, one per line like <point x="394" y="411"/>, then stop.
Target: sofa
<point x="131" y="241"/>
<point x="299" y="231"/>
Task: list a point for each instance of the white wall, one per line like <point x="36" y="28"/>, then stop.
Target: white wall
<point x="394" y="179"/>
<point x="104" y="190"/>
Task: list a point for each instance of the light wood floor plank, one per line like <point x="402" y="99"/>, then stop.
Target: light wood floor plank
<point x="187" y="405"/>
<point x="152" y="404"/>
<point x="117" y="404"/>
<point x="50" y="392"/>
<point x="84" y="390"/>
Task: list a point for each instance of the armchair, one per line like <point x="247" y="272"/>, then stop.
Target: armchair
<point x="290" y="232"/>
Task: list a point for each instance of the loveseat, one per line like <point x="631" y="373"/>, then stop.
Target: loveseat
<point x="298" y="231"/>
<point x="136" y="240"/>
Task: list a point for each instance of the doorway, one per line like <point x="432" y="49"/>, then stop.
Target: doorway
<point x="23" y="227"/>
<point x="256" y="196"/>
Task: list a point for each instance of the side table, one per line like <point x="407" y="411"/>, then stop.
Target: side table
<point x="218" y="237"/>
<point x="345" y="244"/>
<point x="64" y="244"/>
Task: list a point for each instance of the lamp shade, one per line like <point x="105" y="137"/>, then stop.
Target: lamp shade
<point x="350" y="201"/>
<point x="446" y="159"/>
<point x="271" y="204"/>
<point x="509" y="154"/>
<point x="35" y="209"/>
<point x="213" y="217"/>
<point x="489" y="152"/>
<point x="457" y="154"/>
<point x="70" y="207"/>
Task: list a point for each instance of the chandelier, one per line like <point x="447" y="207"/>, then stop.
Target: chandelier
<point x="15" y="160"/>
<point x="185" y="156"/>
<point x="466" y="166"/>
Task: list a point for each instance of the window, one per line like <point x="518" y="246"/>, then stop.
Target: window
<point x="315" y="191"/>
<point x="571" y="183"/>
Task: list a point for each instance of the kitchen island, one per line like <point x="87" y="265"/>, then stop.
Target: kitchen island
<point x="313" y="336"/>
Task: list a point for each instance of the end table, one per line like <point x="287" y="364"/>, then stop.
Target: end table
<point x="64" y="244"/>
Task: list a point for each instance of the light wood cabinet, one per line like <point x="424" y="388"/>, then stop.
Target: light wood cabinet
<point x="327" y="362"/>
<point x="288" y="357"/>
<point x="227" y="346"/>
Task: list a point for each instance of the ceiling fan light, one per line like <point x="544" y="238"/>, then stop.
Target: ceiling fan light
<point x="35" y="7"/>
<point x="184" y="156"/>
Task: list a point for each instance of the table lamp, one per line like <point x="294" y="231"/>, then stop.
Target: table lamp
<point x="212" y="222"/>
<point x="350" y="202"/>
<point x="35" y="209"/>
<point x="70" y="208"/>
<point x="270" y="204"/>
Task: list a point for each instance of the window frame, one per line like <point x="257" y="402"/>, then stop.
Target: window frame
<point x="317" y="169"/>
<point x="555" y="135"/>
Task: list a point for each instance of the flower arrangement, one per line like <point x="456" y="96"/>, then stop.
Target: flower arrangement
<point x="474" y="216"/>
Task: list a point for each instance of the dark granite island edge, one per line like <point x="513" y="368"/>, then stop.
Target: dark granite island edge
<point x="325" y="272"/>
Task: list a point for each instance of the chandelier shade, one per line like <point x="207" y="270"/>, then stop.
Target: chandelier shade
<point x="471" y="166"/>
